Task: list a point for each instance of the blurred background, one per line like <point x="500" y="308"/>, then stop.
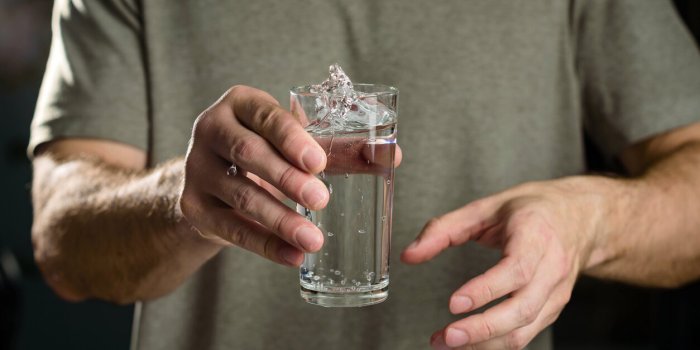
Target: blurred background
<point x="601" y="315"/>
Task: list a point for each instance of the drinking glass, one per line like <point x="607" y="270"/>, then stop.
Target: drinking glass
<point x="352" y="267"/>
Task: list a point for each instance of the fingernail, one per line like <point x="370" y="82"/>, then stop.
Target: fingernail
<point x="460" y="303"/>
<point x="312" y="158"/>
<point x="456" y="337"/>
<point x="439" y="344"/>
<point x="314" y="195"/>
<point x="412" y="245"/>
<point x="289" y="254"/>
<point x="309" y="239"/>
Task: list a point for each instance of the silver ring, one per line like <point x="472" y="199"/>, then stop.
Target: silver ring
<point x="232" y="170"/>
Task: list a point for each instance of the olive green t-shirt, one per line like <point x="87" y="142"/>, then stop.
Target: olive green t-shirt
<point x="493" y="93"/>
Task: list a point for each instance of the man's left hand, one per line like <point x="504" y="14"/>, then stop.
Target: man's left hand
<point x="545" y="231"/>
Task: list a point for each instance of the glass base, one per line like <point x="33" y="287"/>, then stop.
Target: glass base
<point x="357" y="299"/>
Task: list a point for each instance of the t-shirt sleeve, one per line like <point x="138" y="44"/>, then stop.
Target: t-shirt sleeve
<point x="94" y="85"/>
<point x="640" y="71"/>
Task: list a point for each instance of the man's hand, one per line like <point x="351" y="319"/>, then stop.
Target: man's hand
<point x="274" y="157"/>
<point x="545" y="231"/>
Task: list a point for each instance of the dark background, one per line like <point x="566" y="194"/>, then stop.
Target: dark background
<point x="601" y="315"/>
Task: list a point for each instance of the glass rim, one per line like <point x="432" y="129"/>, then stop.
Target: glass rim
<point x="382" y="90"/>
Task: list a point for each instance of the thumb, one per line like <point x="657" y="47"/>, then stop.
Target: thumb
<point x="453" y="229"/>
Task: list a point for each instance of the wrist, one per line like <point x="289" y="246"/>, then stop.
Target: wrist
<point x="613" y="213"/>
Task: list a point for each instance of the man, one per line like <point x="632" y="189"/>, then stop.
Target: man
<point x="495" y="99"/>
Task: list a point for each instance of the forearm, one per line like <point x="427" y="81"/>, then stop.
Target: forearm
<point x="108" y="233"/>
<point x="653" y="232"/>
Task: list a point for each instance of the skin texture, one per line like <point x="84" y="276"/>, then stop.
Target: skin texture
<point x="106" y="227"/>
<point x="641" y="229"/>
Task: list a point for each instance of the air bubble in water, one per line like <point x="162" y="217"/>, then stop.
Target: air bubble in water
<point x="330" y="234"/>
<point x="361" y="231"/>
<point x="330" y="189"/>
<point x="347" y="175"/>
<point x="342" y="214"/>
<point x="343" y="281"/>
<point x="383" y="218"/>
<point x="388" y="182"/>
<point x="325" y="254"/>
<point x="316" y="278"/>
<point x="337" y="272"/>
<point x="357" y="283"/>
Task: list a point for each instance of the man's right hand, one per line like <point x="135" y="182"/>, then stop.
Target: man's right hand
<point x="274" y="158"/>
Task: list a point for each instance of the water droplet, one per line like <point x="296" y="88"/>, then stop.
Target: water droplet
<point x="357" y="283"/>
<point x="370" y="276"/>
<point x="361" y="231"/>
<point x="330" y="281"/>
<point x="316" y="278"/>
<point x="330" y="234"/>
<point x="319" y="225"/>
<point x="347" y="175"/>
<point x="343" y="281"/>
<point x="337" y="272"/>
<point x="323" y="175"/>
<point x="388" y="182"/>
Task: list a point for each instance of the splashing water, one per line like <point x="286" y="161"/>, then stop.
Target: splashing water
<point x="345" y="109"/>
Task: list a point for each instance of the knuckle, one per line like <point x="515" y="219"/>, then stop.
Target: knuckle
<point x="245" y="149"/>
<point x="188" y="208"/>
<point x="527" y="312"/>
<point x="234" y="90"/>
<point x="515" y="341"/>
<point x="237" y="236"/>
<point x="486" y="330"/>
<point x="286" y="178"/>
<point x="269" y="246"/>
<point x="287" y="139"/>
<point x="269" y="117"/>
<point x="202" y="123"/>
<point x="522" y="272"/>
<point x="242" y="198"/>
<point x="281" y="222"/>
<point x="565" y="298"/>
<point x="185" y="206"/>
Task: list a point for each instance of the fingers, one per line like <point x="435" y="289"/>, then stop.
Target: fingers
<point x="248" y="199"/>
<point x="519" y="338"/>
<point x="225" y="224"/>
<point x="262" y="114"/>
<point x="452" y="229"/>
<point x="518" y="311"/>
<point x="516" y="270"/>
<point x="241" y="146"/>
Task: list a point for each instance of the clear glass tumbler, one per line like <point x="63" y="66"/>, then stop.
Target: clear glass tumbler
<point x="352" y="267"/>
